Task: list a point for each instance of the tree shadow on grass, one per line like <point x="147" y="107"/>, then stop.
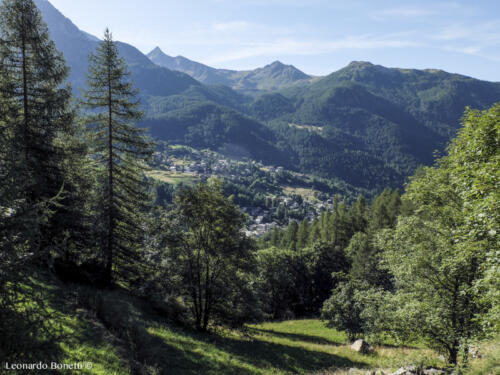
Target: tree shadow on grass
<point x="258" y="355"/>
<point x="296" y="337"/>
<point x="27" y="333"/>
<point x="290" y="359"/>
<point x="171" y="360"/>
<point x="180" y="350"/>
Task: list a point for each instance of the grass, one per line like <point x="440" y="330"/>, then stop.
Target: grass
<point x="306" y="193"/>
<point x="489" y="361"/>
<point x="122" y="332"/>
<point x="71" y="338"/>
<point x="174" y="178"/>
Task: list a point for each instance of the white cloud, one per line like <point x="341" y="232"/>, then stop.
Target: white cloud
<point x="466" y="50"/>
<point x="297" y="3"/>
<point x="481" y="40"/>
<point x="405" y="12"/>
<point x="485" y="32"/>
<point x="231" y="26"/>
<point x="310" y="47"/>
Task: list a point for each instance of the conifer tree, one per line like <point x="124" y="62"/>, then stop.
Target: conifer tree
<point x="303" y="234"/>
<point x="120" y="149"/>
<point x="314" y="232"/>
<point x="38" y="149"/>
<point x="35" y="111"/>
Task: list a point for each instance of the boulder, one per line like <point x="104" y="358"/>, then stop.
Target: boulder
<point x="474" y="352"/>
<point x="413" y="370"/>
<point x="408" y="370"/>
<point x="401" y="371"/>
<point x="361" y="346"/>
<point x="434" y="371"/>
<point x="355" y="371"/>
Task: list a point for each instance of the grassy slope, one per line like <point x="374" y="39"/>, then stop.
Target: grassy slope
<point x="174" y="178"/>
<point x="117" y="333"/>
<point x="489" y="361"/>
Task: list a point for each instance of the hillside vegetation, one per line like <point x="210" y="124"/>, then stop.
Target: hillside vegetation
<point x="122" y="334"/>
<point x="137" y="257"/>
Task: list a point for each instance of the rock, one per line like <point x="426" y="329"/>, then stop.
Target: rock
<point x="414" y="370"/>
<point x="474" y="352"/>
<point x="400" y="371"/>
<point x="434" y="371"/>
<point x="409" y="370"/>
<point x="379" y="372"/>
<point x="361" y="346"/>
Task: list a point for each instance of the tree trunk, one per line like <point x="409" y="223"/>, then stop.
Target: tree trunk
<point x="111" y="218"/>
<point x="453" y="353"/>
<point x="25" y="104"/>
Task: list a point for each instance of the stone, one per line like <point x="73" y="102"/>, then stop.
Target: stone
<point x="355" y="371"/>
<point x="400" y="371"/>
<point x="474" y="352"/>
<point x="361" y="346"/>
<point x="434" y="371"/>
<point x="409" y="370"/>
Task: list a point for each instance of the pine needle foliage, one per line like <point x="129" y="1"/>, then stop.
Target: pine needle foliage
<point x="120" y="150"/>
<point x="35" y="113"/>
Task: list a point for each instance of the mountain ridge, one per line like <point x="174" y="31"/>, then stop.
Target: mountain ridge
<point x="365" y="124"/>
<point x="76" y="46"/>
<point x="273" y="76"/>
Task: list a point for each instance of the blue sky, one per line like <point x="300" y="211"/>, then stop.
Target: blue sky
<point x="317" y="36"/>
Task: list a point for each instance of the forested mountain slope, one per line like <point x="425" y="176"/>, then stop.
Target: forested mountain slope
<point x="398" y="115"/>
<point x="368" y="125"/>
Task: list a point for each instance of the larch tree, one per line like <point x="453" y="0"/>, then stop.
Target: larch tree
<point x="121" y="150"/>
<point x="39" y="147"/>
<point x="35" y="118"/>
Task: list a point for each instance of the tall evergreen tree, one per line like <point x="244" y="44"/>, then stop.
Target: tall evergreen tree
<point x="121" y="150"/>
<point x="35" y="117"/>
<point x="38" y="150"/>
<point x="303" y="234"/>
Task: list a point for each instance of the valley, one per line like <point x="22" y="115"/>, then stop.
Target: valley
<point x="159" y="215"/>
<point x="365" y="126"/>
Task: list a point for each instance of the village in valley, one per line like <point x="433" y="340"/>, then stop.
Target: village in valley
<point x="270" y="196"/>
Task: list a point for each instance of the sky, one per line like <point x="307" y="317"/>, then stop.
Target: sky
<point x="316" y="36"/>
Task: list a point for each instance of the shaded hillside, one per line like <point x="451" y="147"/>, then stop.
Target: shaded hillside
<point x="114" y="332"/>
<point x="76" y="46"/>
<point x="207" y="125"/>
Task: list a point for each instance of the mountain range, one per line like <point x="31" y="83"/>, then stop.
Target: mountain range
<point x="274" y="76"/>
<point x="365" y="125"/>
